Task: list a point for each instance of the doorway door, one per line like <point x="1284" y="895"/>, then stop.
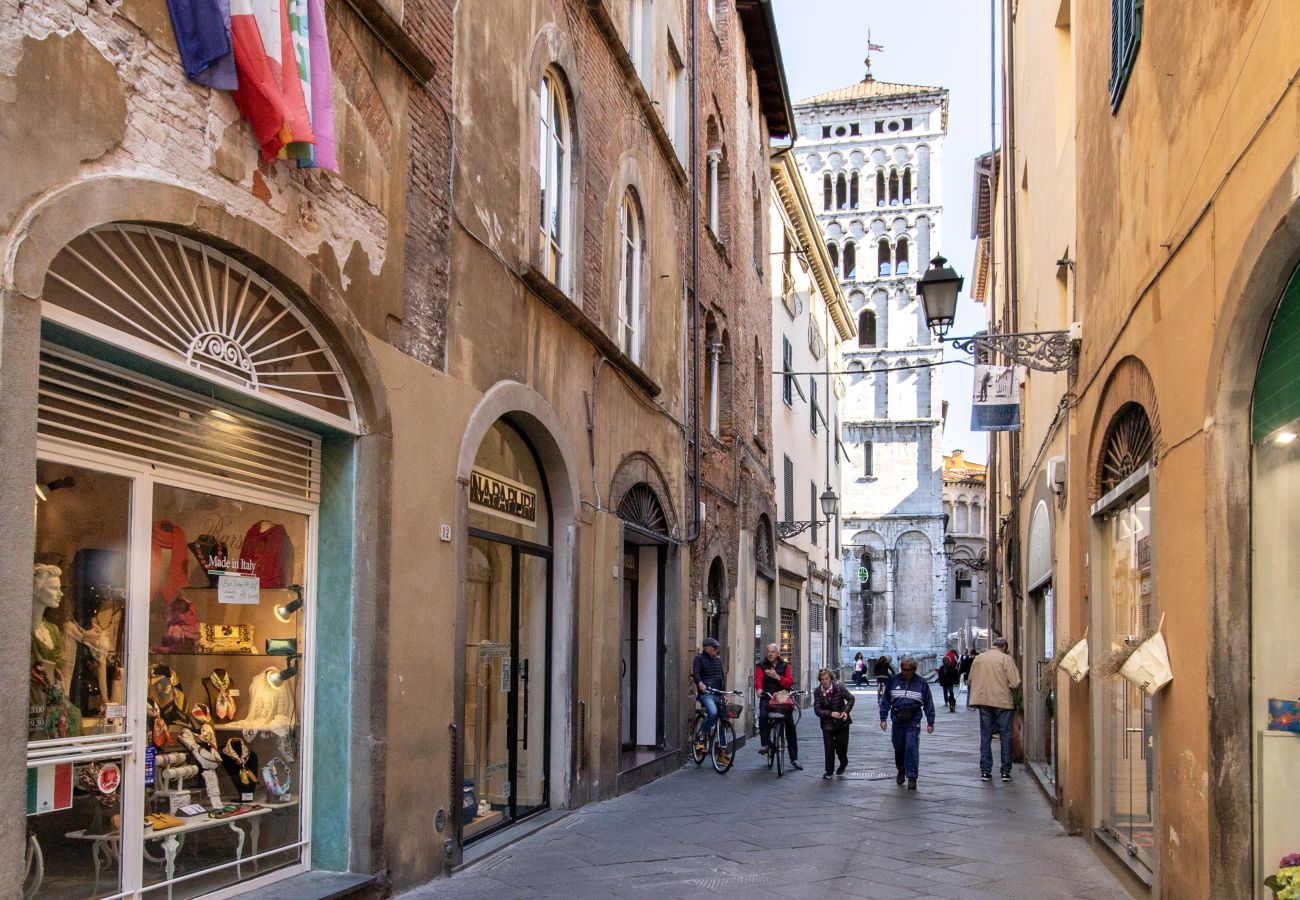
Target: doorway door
<point x="507" y="685"/>
<point x="643" y="647"/>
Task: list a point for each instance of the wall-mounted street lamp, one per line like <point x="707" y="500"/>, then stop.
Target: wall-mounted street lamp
<point x="830" y="503"/>
<point x="1046" y="351"/>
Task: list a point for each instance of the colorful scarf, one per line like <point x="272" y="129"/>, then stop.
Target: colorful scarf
<point x="167" y="585"/>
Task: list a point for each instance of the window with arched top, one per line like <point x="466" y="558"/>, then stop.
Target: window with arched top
<point x="853" y="190"/>
<point x="850" y="260"/>
<point x="902" y="264"/>
<point x="880" y="187"/>
<point x="760" y="382"/>
<point x="893" y="187"/>
<point x="880" y="376"/>
<point x="883" y="262"/>
<point x="907" y="186"/>
<point x="631" y="250"/>
<point x="553" y="169"/>
<point x="834" y="252"/>
<point x="867" y="328"/>
<point x="841" y="191"/>
<point x="828" y="190"/>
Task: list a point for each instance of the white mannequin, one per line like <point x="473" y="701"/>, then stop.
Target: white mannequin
<point x="47" y="593"/>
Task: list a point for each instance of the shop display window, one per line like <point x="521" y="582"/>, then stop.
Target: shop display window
<point x="193" y="626"/>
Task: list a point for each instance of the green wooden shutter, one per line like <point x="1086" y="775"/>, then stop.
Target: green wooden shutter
<point x="789" y="489"/>
<point x="1277" y="383"/>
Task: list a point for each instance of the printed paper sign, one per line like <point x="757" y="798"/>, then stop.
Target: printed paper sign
<point x="241" y="589"/>
<point x="995" y="405"/>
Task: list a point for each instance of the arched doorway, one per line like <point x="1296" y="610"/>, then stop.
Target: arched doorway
<point x="190" y="417"/>
<point x="1124" y="612"/>
<point x="715" y="609"/>
<point x="643" y="645"/>
<point x="1275" y="632"/>
<point x="508" y="623"/>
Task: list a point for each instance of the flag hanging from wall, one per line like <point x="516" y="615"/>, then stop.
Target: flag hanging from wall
<point x="995" y="405"/>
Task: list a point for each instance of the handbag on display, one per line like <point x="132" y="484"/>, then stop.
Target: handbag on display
<point x="1075" y="661"/>
<point x="1148" y="667"/>
<point x="225" y="638"/>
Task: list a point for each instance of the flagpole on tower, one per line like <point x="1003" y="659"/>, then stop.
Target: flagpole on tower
<point x="872" y="47"/>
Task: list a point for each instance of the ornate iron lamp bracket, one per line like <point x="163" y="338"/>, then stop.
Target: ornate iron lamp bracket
<point x="786" y="530"/>
<point x="1046" y="351"/>
<point x="975" y="565"/>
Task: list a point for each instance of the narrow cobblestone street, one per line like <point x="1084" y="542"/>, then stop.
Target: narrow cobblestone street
<point x="859" y="835"/>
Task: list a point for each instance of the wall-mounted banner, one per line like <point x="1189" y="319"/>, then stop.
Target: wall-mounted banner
<point x="500" y="496"/>
<point x="995" y="405"/>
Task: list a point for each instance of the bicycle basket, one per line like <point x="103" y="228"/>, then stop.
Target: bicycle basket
<point x="734" y="710"/>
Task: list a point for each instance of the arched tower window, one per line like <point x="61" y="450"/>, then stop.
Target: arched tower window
<point x="866" y="328"/>
<point x="907" y="186"/>
<point x="834" y="252"/>
<point x="850" y="260"/>
<point x="853" y="190"/>
<point x="880" y="187"/>
<point x="902" y="265"/>
<point x="841" y="191"/>
<point x="827" y="191"/>
<point x="629" y="287"/>
<point x="893" y="187"/>
<point x="883" y="262"/>
<point x="553" y="171"/>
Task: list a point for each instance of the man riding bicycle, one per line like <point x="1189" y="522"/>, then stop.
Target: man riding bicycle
<point x="772" y="674"/>
<point x="707" y="674"/>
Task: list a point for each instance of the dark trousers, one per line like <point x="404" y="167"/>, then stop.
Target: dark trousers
<point x="857" y="678"/>
<point x="995" y="719"/>
<point x="907" y="747"/>
<point x="836" y="743"/>
<point x="950" y="694"/>
<point x="765" y="730"/>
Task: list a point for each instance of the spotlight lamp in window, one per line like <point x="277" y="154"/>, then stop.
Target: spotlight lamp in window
<point x="1046" y="351"/>
<point x="830" y="504"/>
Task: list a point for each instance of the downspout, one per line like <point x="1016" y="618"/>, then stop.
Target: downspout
<point x="1012" y="311"/>
<point x="994" y="505"/>
<point x="693" y="301"/>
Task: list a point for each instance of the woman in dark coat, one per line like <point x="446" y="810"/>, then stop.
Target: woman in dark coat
<point x="832" y="703"/>
<point x="949" y="678"/>
<point x="883" y="670"/>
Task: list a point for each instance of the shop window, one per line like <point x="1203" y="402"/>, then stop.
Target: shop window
<point x="553" y="172"/>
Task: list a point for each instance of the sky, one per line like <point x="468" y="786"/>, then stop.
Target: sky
<point x="932" y="42"/>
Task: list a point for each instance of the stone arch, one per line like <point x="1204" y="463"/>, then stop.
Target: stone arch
<point x="640" y="467"/>
<point x="529" y="413"/>
<point x="1269" y="256"/>
<point x="1129" y="383"/>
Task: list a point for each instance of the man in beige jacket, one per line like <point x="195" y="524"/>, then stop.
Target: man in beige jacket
<point x="993" y="677"/>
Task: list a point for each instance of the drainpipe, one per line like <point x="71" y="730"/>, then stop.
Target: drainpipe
<point x="693" y="301"/>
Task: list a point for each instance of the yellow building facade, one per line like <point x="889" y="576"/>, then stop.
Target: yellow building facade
<point x="1146" y="198"/>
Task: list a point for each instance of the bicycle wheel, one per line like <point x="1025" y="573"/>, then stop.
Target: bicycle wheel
<point x="722" y="757"/>
<point x="771" y="746"/>
<point x="697" y="738"/>
<point x="778" y="746"/>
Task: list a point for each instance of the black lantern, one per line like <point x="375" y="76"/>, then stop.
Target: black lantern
<point x="830" y="502"/>
<point x="938" y="291"/>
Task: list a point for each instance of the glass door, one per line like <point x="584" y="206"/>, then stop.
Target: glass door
<point x="79" y="746"/>
<point x="1128" y="722"/>
<point x="507" y="682"/>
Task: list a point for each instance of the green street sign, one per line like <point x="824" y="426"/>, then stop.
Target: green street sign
<point x="863" y="574"/>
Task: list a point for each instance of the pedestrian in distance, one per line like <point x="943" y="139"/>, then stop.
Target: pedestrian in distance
<point x="949" y="678"/>
<point x="964" y="668"/>
<point x="859" y="669"/>
<point x="993" y="676"/>
<point x="832" y="702"/>
<point x="772" y="674"/>
<point x="906" y="697"/>
<point x="883" y="670"/>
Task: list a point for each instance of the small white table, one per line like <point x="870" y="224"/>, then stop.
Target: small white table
<point x="104" y="849"/>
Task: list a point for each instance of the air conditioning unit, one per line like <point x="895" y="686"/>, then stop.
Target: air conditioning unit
<point x="1056" y="475"/>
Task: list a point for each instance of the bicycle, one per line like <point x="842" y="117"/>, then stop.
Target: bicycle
<point x="716" y="744"/>
<point x="776" y="730"/>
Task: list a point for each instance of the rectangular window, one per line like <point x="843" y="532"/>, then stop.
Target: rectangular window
<point x="826" y="132"/>
<point x="868" y="463"/>
<point x="907" y="124"/>
<point x="1125" y="36"/>
<point x="835" y="437"/>
<point x="813" y="511"/>
<point x="676" y="104"/>
<point x="814" y="410"/>
<point x="880" y="128"/>
<point x="787" y="363"/>
<point x="788" y="472"/>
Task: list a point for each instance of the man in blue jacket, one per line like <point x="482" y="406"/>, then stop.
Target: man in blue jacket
<point x="906" y="696"/>
<point x="706" y="672"/>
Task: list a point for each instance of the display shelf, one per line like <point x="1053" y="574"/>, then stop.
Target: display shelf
<point x="230" y="653"/>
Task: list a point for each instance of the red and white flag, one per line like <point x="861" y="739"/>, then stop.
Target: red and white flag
<point x="269" y="96"/>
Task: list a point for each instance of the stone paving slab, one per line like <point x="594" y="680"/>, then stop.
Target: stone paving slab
<point x="695" y="833"/>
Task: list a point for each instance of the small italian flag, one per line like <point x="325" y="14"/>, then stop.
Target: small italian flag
<point x="49" y="788"/>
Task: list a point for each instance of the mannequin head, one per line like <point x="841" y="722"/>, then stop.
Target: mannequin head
<point x="47" y="587"/>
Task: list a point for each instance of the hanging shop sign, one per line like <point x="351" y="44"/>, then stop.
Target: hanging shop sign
<point x="995" y="405"/>
<point x="502" y="497"/>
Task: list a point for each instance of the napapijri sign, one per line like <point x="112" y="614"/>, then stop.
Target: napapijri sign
<point x="995" y="405"/>
<point x="502" y="497"/>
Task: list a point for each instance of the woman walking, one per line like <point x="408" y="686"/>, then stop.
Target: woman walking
<point x="832" y="703"/>
<point x="949" y="678"/>
<point x="883" y="671"/>
<point x="859" y="669"/>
